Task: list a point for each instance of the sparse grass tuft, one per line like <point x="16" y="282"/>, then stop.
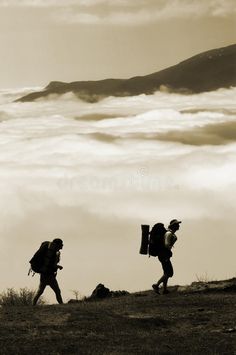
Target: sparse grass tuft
<point x="77" y="295"/>
<point x="204" y="278"/>
<point x="24" y="297"/>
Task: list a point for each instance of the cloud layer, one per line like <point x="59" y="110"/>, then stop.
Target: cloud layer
<point x="212" y="134"/>
<point x="127" y="12"/>
<point x="150" y="12"/>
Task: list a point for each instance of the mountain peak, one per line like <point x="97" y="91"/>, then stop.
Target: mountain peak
<point x="206" y="71"/>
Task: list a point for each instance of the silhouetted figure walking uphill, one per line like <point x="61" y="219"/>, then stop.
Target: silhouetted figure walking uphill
<point x="159" y="242"/>
<point x="165" y="254"/>
<point x="45" y="262"/>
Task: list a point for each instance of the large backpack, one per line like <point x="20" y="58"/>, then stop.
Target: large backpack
<point x="156" y="239"/>
<point x="152" y="243"/>
<point x="37" y="261"/>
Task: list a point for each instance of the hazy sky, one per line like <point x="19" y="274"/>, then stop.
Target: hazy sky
<point x="68" y="40"/>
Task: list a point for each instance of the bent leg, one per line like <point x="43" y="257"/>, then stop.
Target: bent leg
<point x="167" y="272"/>
<point x="54" y="285"/>
<point x="163" y="280"/>
<point x="40" y="291"/>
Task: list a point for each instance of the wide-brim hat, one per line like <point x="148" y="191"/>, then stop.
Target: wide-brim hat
<point x="174" y="221"/>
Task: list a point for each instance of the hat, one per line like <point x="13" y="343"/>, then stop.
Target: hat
<point x="174" y="221"/>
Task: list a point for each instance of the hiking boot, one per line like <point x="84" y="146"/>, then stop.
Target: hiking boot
<point x="165" y="292"/>
<point x="156" y="288"/>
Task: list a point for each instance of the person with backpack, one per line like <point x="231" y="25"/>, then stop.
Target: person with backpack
<point x="45" y="262"/>
<point x="165" y="254"/>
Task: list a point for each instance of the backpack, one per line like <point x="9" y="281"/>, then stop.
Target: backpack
<point x="152" y="243"/>
<point x="37" y="261"/>
<point x="156" y="239"/>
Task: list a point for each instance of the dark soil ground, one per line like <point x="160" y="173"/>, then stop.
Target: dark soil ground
<point x="140" y="323"/>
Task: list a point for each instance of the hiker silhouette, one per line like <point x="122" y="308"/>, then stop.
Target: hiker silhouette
<point x="165" y="254"/>
<point x="49" y="256"/>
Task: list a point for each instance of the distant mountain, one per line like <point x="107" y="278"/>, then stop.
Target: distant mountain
<point x="206" y="71"/>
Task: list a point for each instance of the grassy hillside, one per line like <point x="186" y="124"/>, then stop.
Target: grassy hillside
<point x="139" y="323"/>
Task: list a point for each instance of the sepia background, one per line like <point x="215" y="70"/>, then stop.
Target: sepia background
<point x="91" y="174"/>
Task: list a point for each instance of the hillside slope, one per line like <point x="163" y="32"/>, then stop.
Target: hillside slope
<point x="207" y="71"/>
<point x="139" y="323"/>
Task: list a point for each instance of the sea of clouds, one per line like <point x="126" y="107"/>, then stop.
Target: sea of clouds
<point x="92" y="173"/>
